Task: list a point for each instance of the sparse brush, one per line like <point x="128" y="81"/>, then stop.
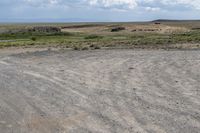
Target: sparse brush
<point x="92" y="45"/>
<point x="33" y="38"/>
<point x="97" y="47"/>
<point x="76" y="48"/>
<point x="87" y="39"/>
<point x="93" y="37"/>
<point x="85" y="48"/>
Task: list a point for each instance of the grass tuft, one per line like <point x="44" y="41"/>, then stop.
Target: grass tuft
<point x="93" y="37"/>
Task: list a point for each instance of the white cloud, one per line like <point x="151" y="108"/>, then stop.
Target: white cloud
<point x="152" y="9"/>
<point x="129" y="4"/>
<point x="189" y="3"/>
<point x="151" y="5"/>
<point x="41" y="2"/>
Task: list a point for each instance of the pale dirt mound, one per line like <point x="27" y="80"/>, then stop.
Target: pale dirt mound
<point x="129" y="28"/>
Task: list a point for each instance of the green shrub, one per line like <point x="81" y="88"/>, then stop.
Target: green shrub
<point x="97" y="47"/>
<point x="92" y="45"/>
<point x="93" y="37"/>
<point x="33" y="38"/>
<point x="76" y="48"/>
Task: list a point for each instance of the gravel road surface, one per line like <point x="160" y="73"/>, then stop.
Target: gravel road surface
<point x="103" y="91"/>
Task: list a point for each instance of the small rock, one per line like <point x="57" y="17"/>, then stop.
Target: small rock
<point x="131" y="68"/>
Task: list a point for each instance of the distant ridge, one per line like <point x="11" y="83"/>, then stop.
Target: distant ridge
<point x="171" y="20"/>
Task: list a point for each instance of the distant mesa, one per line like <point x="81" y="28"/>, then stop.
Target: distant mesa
<point x="165" y="20"/>
<point x="172" y="20"/>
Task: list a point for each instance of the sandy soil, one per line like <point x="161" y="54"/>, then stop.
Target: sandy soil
<point x="105" y="91"/>
<point x="129" y="28"/>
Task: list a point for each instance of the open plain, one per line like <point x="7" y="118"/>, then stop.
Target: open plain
<point x="100" y="91"/>
<point x="158" y="34"/>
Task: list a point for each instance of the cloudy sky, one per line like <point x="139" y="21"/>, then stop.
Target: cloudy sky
<point x="97" y="10"/>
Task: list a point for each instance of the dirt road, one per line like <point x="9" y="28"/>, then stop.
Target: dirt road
<point x="105" y="91"/>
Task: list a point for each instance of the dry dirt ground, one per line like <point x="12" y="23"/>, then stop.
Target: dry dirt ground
<point x="105" y="91"/>
<point x="129" y="28"/>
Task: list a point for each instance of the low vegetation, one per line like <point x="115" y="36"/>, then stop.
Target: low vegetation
<point x="116" y="37"/>
<point x="117" y="29"/>
<point x="93" y="37"/>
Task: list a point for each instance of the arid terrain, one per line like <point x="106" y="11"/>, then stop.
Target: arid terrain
<point x="158" y="34"/>
<point x="100" y="91"/>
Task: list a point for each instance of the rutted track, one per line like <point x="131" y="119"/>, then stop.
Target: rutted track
<point x="106" y="91"/>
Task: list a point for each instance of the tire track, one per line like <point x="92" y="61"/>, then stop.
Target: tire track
<point x="110" y="91"/>
<point x="53" y="80"/>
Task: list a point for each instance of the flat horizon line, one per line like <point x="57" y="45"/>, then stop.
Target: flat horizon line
<point x="28" y="21"/>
